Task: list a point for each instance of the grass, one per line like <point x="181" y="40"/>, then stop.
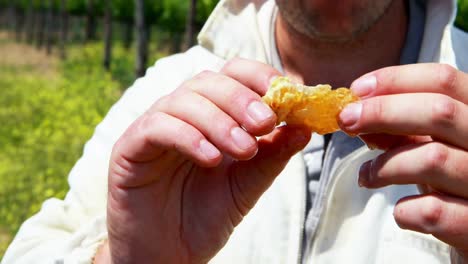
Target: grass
<point x="48" y="109"/>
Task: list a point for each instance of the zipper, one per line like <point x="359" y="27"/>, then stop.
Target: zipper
<point x="316" y="204"/>
<point x="313" y="217"/>
<point x="314" y="208"/>
<point x="302" y="217"/>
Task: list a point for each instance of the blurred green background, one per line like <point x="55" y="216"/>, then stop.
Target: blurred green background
<point x="57" y="84"/>
<point x="63" y="63"/>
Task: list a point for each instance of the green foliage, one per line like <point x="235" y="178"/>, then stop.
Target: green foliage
<point x="45" y="121"/>
<point x="79" y="7"/>
<point x="168" y="14"/>
<point x="204" y="8"/>
<point x="76" y="7"/>
<point x="172" y="14"/>
<point x="462" y="17"/>
<point x="123" y="10"/>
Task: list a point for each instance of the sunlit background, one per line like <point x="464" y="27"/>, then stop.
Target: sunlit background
<point x="63" y="63"/>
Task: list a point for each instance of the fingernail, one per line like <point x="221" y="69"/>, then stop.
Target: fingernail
<point x="259" y="112"/>
<point x="242" y="140"/>
<point x="364" y="172"/>
<point x="364" y="86"/>
<point x="269" y="81"/>
<point x="351" y="114"/>
<point x="210" y="151"/>
<point x="272" y="79"/>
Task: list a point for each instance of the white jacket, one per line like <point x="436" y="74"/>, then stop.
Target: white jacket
<point x="355" y="226"/>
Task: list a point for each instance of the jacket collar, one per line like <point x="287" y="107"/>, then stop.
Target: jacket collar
<point x="240" y="28"/>
<point x="236" y="29"/>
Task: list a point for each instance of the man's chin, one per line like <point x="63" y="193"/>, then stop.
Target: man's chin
<point x="335" y="36"/>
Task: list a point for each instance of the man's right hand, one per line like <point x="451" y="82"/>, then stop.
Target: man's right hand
<point x="186" y="172"/>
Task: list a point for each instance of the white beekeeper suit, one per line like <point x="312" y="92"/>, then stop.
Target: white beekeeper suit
<point x="351" y="225"/>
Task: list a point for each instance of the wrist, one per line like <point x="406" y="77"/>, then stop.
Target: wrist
<point x="103" y="255"/>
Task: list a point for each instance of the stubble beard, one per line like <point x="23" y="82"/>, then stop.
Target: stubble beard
<point x="312" y="23"/>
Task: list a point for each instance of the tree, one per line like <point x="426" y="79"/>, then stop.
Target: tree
<point x="18" y="18"/>
<point x="462" y="18"/>
<point x="29" y="21"/>
<point x="142" y="41"/>
<point x="90" y="20"/>
<point x="190" y="25"/>
<point x="49" y="32"/>
<point x="12" y="16"/>
<point x="40" y="25"/>
<point x="123" y="11"/>
<point x="63" y="28"/>
<point x="107" y="34"/>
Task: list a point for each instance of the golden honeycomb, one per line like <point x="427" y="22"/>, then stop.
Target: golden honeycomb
<point x="315" y="107"/>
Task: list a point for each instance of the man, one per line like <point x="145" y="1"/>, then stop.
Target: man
<point x="194" y="149"/>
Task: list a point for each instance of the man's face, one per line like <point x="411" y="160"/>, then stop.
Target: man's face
<point x="333" y="21"/>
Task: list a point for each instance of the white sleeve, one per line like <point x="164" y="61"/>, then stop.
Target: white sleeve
<point x="460" y="42"/>
<point x="70" y="230"/>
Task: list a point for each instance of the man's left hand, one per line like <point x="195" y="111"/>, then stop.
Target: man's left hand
<point x="418" y="114"/>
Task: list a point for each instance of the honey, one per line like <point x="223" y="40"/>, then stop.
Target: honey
<point x="314" y="107"/>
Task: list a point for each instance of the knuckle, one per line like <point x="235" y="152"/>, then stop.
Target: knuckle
<point x="179" y="133"/>
<point x="241" y="97"/>
<point x="120" y="167"/>
<point x="231" y="63"/>
<point x="193" y="84"/>
<point x="225" y="128"/>
<point x="219" y="123"/>
<point x="209" y="79"/>
<point x="185" y="134"/>
<point x="135" y="128"/>
<point x="161" y="104"/>
<point x="387" y="77"/>
<point x="117" y="147"/>
<point x="431" y="213"/>
<point x="147" y="121"/>
<point x="204" y="74"/>
<point x="436" y="157"/>
<point x="444" y="111"/>
<point x="447" y="76"/>
<point x="184" y="139"/>
<point x="375" y="110"/>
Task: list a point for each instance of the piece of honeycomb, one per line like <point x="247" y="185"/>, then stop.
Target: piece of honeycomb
<point x="315" y="107"/>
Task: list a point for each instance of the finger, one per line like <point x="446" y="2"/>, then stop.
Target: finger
<point x="126" y="173"/>
<point x="163" y="137"/>
<point x="276" y="149"/>
<point x="440" y="166"/>
<point x="415" y="78"/>
<point x="217" y="126"/>
<point x="435" y="115"/>
<point x="242" y="104"/>
<point x="252" y="178"/>
<point x="253" y="74"/>
<point x="443" y="216"/>
<point x="386" y="141"/>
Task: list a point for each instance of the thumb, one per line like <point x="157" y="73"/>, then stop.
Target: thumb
<point x="253" y="177"/>
<point x="275" y="149"/>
